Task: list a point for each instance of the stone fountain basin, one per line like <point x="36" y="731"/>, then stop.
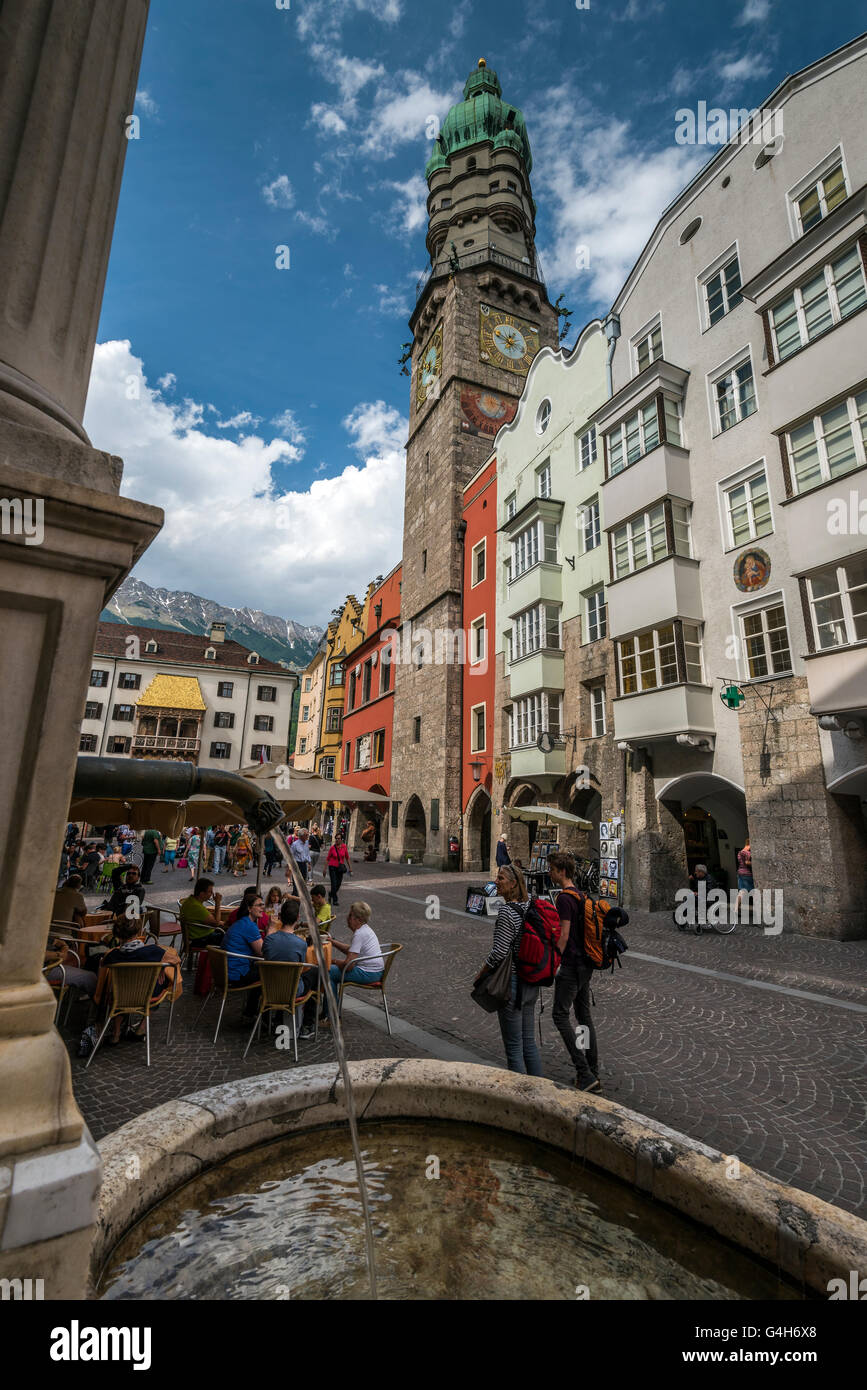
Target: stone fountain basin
<point x="807" y="1239"/>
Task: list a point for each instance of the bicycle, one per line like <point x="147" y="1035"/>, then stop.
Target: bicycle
<point x="721" y="928"/>
<point x="588" y="874"/>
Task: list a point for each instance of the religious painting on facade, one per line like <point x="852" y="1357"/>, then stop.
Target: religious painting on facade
<point x="505" y="340"/>
<point x="484" y="412"/>
<point x="752" y="570"/>
<point x="430" y="367"/>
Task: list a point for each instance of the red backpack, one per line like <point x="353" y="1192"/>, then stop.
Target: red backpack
<point x="538" y="957"/>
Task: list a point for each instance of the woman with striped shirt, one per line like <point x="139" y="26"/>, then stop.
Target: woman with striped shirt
<point x="517" y="1017"/>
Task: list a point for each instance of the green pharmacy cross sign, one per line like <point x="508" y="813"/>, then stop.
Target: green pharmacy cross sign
<point x="732" y="696"/>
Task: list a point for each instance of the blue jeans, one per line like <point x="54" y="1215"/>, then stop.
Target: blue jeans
<point x="517" y="1028"/>
<point x="356" y="975"/>
<point x="745" y="883"/>
<point x="219" y="856"/>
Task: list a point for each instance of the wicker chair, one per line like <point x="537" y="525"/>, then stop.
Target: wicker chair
<point x="219" y="961"/>
<point x="279" y="980"/>
<point x="388" y="955"/>
<point x="59" y="988"/>
<point x="132" y="986"/>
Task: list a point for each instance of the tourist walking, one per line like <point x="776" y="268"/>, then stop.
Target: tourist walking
<point x="152" y="846"/>
<point x="272" y="854"/>
<point x="572" y="984"/>
<point x="193" y="845"/>
<point x="170" y="854"/>
<point x="221" y="843"/>
<point x="315" y="843"/>
<point x="337" y="860"/>
<point x="300" y="851"/>
<point x="517" y="1015"/>
<point x="503" y="856"/>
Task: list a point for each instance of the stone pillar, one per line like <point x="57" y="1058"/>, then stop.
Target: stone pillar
<point x="67" y="540"/>
<point x="655" y="850"/>
<point x="805" y="841"/>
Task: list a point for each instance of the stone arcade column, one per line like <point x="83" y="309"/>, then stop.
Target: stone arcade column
<point x="68" y="71"/>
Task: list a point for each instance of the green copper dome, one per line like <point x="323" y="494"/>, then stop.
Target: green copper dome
<point x="482" y="115"/>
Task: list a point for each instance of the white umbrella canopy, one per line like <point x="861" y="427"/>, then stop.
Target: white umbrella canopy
<point x="165" y="816"/>
<point x="294" y="789"/>
<point x="551" y="814"/>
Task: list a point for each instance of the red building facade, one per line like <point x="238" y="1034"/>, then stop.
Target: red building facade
<point x="479" y="671"/>
<point x="368" y="711"/>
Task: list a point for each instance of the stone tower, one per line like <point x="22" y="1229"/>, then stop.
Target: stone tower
<point x="482" y="315"/>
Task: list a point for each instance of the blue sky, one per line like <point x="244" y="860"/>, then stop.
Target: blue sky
<point x="263" y="408"/>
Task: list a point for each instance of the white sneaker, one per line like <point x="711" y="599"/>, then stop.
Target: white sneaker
<point x="306" y="1033"/>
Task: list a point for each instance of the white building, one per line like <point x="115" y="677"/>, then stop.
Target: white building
<point x="165" y="694"/>
<point x="735" y="448"/>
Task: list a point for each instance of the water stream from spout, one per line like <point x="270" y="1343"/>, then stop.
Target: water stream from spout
<point x="308" y="913"/>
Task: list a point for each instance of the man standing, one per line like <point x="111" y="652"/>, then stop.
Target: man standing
<point x="503" y="856"/>
<point x="221" y="840"/>
<point x="209" y="848"/>
<point x="300" y="851"/>
<point x="572" y="984"/>
<point x="152" y="847"/>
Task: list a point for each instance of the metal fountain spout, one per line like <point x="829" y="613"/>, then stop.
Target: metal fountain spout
<point x="154" y="780"/>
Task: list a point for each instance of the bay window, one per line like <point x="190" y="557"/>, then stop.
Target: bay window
<point x="647" y="660"/>
<point x="825" y="299"/>
<point x="534" y="629"/>
<point x="533" y="715"/>
<point x="830" y="444"/>
<point x="838" y="604"/>
<point x="537" y="542"/>
<point x="644" y="539"/>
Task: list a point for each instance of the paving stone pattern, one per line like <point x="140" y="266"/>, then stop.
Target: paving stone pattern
<point x="777" y="1080"/>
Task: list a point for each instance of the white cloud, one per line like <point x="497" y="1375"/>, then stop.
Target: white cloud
<point x="324" y="19"/>
<point x="755" y="12"/>
<point x="319" y="226"/>
<point x="287" y="423"/>
<point x="146" y="102"/>
<point x="742" y="69"/>
<point x="243" y="420"/>
<point x="167" y="382"/>
<point x="397" y="118"/>
<point x="393" y="301"/>
<point x="604" y="192"/>
<point x="224" y="510"/>
<point x="408" y="214"/>
<point x="279" y="193"/>
<point x="639" y="9"/>
<point x="328" y="119"/>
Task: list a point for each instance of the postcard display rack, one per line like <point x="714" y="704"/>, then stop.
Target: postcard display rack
<point x="538" y="879"/>
<point x="611" y="838"/>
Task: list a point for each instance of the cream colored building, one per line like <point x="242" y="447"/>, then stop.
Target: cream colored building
<point x="167" y="694"/>
<point x="309" y="712"/>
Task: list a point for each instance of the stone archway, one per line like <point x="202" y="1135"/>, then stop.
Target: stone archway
<point x="713" y="814"/>
<point x="414" y="831"/>
<point x="478" y="832"/>
<point x="520" y="834"/>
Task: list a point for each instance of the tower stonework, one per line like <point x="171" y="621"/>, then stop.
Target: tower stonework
<point x="482" y="315"/>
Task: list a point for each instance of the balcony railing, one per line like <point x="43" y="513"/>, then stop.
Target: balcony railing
<point x="487" y="253"/>
<point x="159" y="743"/>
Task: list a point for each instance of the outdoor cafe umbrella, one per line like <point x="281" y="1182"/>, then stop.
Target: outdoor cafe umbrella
<point x="548" y="814"/>
<point x="165" y="816"/>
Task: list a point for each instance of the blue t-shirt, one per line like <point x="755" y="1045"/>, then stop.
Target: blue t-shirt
<point x="286" y="946"/>
<point x="238" y="938"/>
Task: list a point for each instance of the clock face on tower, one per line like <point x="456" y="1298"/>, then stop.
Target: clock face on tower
<point x="505" y="340"/>
<point x="430" y="367"/>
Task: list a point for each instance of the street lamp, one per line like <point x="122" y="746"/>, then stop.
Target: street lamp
<point x="477" y="770"/>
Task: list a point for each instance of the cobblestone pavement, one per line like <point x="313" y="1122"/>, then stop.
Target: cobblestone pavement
<point x="752" y="1044"/>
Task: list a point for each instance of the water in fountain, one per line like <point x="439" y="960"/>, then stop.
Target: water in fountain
<point x="309" y="914"/>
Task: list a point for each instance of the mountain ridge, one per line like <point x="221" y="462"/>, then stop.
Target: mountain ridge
<point x="278" y="639"/>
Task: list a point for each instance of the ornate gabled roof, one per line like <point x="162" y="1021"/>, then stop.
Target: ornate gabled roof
<point x="173" y="692"/>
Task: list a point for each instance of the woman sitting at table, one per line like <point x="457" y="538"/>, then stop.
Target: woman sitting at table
<point x="60" y="953"/>
<point x="243" y="909"/>
<point x="244" y="939"/>
<point x="134" y="950"/>
<point x="364" y="963"/>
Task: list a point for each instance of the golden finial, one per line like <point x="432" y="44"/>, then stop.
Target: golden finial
<point x="482" y="63"/>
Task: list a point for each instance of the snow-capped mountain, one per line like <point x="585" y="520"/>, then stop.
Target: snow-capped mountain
<point x="278" y="639"/>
